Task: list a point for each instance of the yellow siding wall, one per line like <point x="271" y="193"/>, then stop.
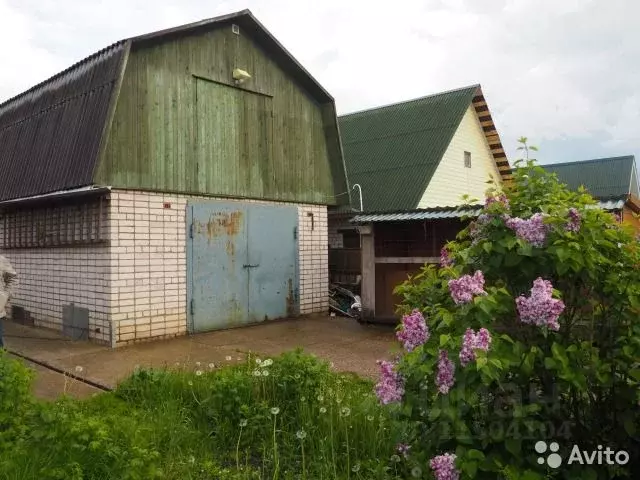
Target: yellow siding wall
<point x="452" y="179"/>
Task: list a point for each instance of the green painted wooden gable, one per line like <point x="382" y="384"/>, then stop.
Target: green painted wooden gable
<point x="181" y="124"/>
<point x="393" y="151"/>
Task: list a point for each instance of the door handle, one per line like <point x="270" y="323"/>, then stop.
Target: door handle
<point x="247" y="265"/>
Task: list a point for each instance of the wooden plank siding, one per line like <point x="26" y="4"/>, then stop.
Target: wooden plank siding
<point x="182" y="125"/>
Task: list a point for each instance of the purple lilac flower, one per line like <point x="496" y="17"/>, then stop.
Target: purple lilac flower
<point x="502" y="198"/>
<point x="444" y="467"/>
<point x="540" y="308"/>
<point x="473" y="341"/>
<point x="445" y="259"/>
<point x="618" y="217"/>
<point x="414" y="331"/>
<point x="464" y="288"/>
<point x="573" y="225"/>
<point x="446" y="371"/>
<point x="532" y="230"/>
<point x="403" y="449"/>
<point x="390" y="388"/>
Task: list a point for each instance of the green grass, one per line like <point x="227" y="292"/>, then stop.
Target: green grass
<point x="299" y="420"/>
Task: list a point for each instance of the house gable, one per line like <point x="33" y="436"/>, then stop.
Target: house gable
<point x="128" y="117"/>
<point x="452" y="179"/>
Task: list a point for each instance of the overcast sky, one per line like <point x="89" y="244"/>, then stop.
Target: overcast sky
<point x="565" y="73"/>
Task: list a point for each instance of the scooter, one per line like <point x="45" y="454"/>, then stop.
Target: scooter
<point x="344" y="302"/>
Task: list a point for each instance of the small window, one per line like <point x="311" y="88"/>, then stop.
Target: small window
<point x="467" y="159"/>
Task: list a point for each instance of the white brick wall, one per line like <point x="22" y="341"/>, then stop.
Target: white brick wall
<point x="51" y="278"/>
<point x="314" y="259"/>
<point x="148" y="257"/>
<point x="148" y="266"/>
<point x="138" y="282"/>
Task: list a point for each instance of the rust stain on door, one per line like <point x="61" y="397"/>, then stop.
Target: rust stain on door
<point x="224" y="224"/>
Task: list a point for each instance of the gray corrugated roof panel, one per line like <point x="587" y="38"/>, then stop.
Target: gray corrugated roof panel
<point x="50" y="135"/>
<point x="450" y="213"/>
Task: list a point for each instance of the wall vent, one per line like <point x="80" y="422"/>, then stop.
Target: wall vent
<point x="235" y="29"/>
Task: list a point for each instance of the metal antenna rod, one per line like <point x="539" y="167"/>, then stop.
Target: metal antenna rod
<point x="359" y="190"/>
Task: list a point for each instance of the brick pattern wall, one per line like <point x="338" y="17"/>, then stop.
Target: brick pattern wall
<point x="147" y="266"/>
<point x="50" y="278"/>
<point x="148" y="263"/>
<point x="314" y="259"/>
<point x="137" y="283"/>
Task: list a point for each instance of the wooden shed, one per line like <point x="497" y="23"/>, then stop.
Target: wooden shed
<point x="173" y="182"/>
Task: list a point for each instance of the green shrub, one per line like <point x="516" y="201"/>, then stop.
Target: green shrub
<point x="15" y="397"/>
<point x="575" y="382"/>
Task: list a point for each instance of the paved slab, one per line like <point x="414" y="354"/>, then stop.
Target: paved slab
<point x="351" y="347"/>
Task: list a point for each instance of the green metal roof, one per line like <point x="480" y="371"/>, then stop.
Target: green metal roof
<point x="602" y="177"/>
<point x="393" y="151"/>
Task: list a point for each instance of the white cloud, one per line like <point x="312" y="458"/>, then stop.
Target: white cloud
<point x="558" y="72"/>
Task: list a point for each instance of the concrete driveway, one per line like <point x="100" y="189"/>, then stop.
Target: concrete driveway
<point x="351" y="347"/>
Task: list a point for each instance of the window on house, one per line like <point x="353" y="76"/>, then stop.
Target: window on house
<point x="467" y="159"/>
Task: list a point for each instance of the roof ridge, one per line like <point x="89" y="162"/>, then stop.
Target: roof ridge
<point x="404" y="102"/>
<point x="593" y="160"/>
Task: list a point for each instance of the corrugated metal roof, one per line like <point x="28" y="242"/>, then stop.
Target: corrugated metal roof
<point x="50" y="135"/>
<point x="602" y="177"/>
<point x="393" y="151"/>
<point x="442" y="213"/>
<point x="423" y="214"/>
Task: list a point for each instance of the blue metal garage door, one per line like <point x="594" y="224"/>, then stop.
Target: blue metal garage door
<point x="241" y="264"/>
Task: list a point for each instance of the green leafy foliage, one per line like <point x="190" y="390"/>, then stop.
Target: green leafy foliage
<point x="578" y="385"/>
<point x="202" y="423"/>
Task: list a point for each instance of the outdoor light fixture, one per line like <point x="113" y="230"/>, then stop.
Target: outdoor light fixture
<point x="240" y="75"/>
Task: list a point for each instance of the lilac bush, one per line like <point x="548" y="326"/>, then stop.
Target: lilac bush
<point x="533" y="334"/>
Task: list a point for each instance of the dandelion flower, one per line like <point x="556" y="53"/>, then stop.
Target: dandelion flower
<point x="356" y="468"/>
<point x="416" y="472"/>
<point x="228" y="358"/>
<point x="79" y="369"/>
<point x="197" y="364"/>
<point x="243" y="423"/>
<point x="190" y="383"/>
<point x="323" y="410"/>
<point x="267" y="363"/>
<point x="301" y="434"/>
<point x="258" y="361"/>
<point x="338" y="400"/>
<point x="275" y="411"/>
<point x="320" y="398"/>
<point x="198" y="373"/>
<point x="297" y="376"/>
<point x="395" y="458"/>
<point x="212" y="366"/>
<point x="265" y="373"/>
<point x="192" y="459"/>
<point x="345" y="411"/>
<point x="303" y="399"/>
<point x="370" y="418"/>
<point x="257" y="373"/>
